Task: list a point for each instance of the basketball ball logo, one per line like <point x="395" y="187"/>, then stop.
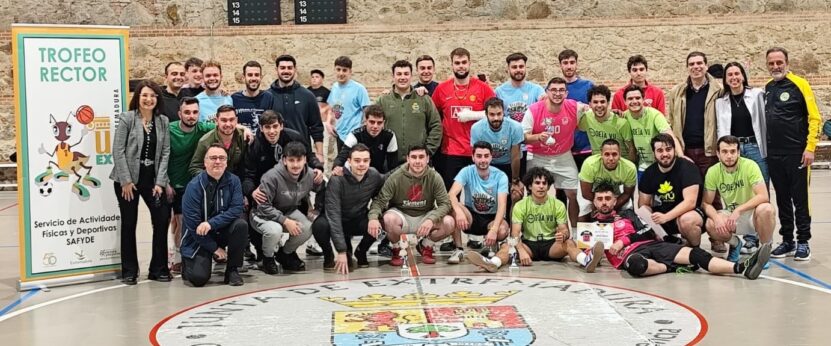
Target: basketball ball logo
<point x="84" y="114"/>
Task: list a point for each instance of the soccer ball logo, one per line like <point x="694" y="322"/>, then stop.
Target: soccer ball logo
<point x="45" y="189"/>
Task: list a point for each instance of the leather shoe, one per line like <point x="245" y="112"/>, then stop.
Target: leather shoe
<point x="129" y="280"/>
<point x="160" y="277"/>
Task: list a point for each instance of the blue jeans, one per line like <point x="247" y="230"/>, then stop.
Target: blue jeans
<point x="751" y="151"/>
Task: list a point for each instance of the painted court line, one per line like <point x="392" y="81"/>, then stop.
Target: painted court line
<point x="7" y="207"/>
<point x="18" y="301"/>
<point x="802" y="274"/>
<point x="795" y="283"/>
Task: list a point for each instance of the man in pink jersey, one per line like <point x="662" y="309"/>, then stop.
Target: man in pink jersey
<point x="549" y="127"/>
<point x="459" y="94"/>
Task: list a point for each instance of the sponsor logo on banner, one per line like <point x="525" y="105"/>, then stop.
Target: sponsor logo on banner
<point x="437" y="310"/>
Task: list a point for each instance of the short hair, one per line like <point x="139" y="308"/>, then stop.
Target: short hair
<point x="716" y="70"/>
<point x="252" y="63"/>
<point x="482" y="145"/>
<point x="344" y="61"/>
<point x="216" y="145"/>
<point x="425" y="57"/>
<point x="777" y="49"/>
<point x="358" y="147"/>
<point x="565" y="54"/>
<point x="212" y="63"/>
<point x="459" y="52"/>
<point x="610" y="141"/>
<point x="728" y="139"/>
<point x="189" y="100"/>
<point x="316" y="71"/>
<point x="172" y="63"/>
<point x="741" y="69"/>
<point x="515" y="57"/>
<point x="225" y="108"/>
<point x="537" y="172"/>
<point x="662" y="138"/>
<point x="375" y="111"/>
<point x="556" y="80"/>
<point x="193" y="61"/>
<point x="697" y="53"/>
<point x="601" y="90"/>
<point x="402" y="63"/>
<point x="146" y="83"/>
<point x="269" y="117"/>
<point x="605" y="186"/>
<point x="636" y="59"/>
<point x="294" y="149"/>
<point x="417" y="147"/>
<point x="632" y="87"/>
<point x="285" y="57"/>
<point x="494" y="102"/>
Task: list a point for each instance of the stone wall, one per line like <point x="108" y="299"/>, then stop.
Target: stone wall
<point x="604" y="32"/>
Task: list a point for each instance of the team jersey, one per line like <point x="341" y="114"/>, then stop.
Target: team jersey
<point x="517" y="100"/>
<point x="539" y="221"/>
<point x="508" y="135"/>
<point x="560" y="126"/>
<point x="348" y="101"/>
<point x="595" y="173"/>
<point x="182" y="146"/>
<point x="209" y="104"/>
<point x="450" y="100"/>
<point x="651" y="123"/>
<point x="613" y="127"/>
<point x="735" y="188"/>
<point x="481" y="195"/>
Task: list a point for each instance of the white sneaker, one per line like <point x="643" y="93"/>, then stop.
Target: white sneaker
<point x="456" y="257"/>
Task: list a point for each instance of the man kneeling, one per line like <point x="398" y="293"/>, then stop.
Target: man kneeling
<point x="211" y="209"/>
<point x="541" y="220"/>
<point x="638" y="252"/>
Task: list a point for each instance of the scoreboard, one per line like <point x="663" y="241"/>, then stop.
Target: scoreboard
<point x="253" y="12"/>
<point x="320" y="12"/>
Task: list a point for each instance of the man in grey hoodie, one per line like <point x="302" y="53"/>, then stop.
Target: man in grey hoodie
<point x="285" y="186"/>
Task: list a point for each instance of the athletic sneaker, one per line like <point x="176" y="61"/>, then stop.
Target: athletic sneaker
<point x="751" y="244"/>
<point x="447" y="247"/>
<point x="312" y="249"/>
<point x="756" y="262"/>
<point x="593" y="256"/>
<point x="472" y="244"/>
<point x="785" y="249"/>
<point x="456" y="257"/>
<point x="476" y="259"/>
<point x="384" y="250"/>
<point x="803" y="252"/>
<point x="395" y="259"/>
<point x="735" y="251"/>
<point x="426" y="254"/>
<point x="361" y="257"/>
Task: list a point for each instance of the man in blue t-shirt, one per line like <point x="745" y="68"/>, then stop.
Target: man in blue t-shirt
<point x="578" y="90"/>
<point x="213" y="96"/>
<point x="251" y="101"/>
<point x="347" y="100"/>
<point x="486" y="198"/>
<point x="504" y="135"/>
<point x="517" y="94"/>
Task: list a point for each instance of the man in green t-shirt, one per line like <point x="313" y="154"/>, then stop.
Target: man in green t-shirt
<point x="184" y="135"/>
<point x="600" y="124"/>
<point x="540" y="220"/>
<point x="606" y="167"/>
<point x="645" y="123"/>
<point x="745" y="198"/>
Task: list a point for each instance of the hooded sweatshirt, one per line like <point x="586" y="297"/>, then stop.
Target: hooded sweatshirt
<point x="263" y="156"/>
<point x="347" y="199"/>
<point x="284" y="192"/>
<point x="414" y="196"/>
<point x="299" y="108"/>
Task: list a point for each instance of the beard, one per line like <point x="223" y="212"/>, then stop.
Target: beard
<point x="671" y="162"/>
<point x="518" y="77"/>
<point x="496" y="125"/>
<point x="461" y="75"/>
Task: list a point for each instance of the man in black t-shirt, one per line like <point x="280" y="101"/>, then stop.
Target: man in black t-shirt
<point x="316" y="87"/>
<point x="672" y="190"/>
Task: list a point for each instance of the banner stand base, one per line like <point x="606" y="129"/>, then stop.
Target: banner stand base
<point x="65" y="281"/>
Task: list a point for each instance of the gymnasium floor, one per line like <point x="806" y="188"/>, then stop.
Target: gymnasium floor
<point x="546" y="304"/>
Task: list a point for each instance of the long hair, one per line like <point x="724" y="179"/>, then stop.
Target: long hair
<point x="146" y="83"/>
<point x="741" y="68"/>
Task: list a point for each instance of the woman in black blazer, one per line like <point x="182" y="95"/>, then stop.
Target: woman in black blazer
<point x="141" y="150"/>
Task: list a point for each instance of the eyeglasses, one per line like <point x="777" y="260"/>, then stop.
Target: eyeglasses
<point x="217" y="158"/>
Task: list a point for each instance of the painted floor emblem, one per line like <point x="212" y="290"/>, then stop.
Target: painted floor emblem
<point x="440" y="310"/>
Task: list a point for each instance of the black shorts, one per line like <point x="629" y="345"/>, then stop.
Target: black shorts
<point x="661" y="252"/>
<point x="452" y="165"/>
<point x="177" y="200"/>
<point x="479" y="222"/>
<point x="540" y="249"/>
<point x="672" y="226"/>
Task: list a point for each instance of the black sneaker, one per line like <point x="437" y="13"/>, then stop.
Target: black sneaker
<point x="270" y="266"/>
<point x="294" y="263"/>
<point x="329" y="265"/>
<point x="249" y="256"/>
<point x="447" y="247"/>
<point x="313" y="250"/>
<point x="476" y="245"/>
<point x="802" y="253"/>
<point x="785" y="248"/>
<point x="233" y="278"/>
<point x="361" y="257"/>
<point x="756" y="262"/>
<point x="384" y="250"/>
